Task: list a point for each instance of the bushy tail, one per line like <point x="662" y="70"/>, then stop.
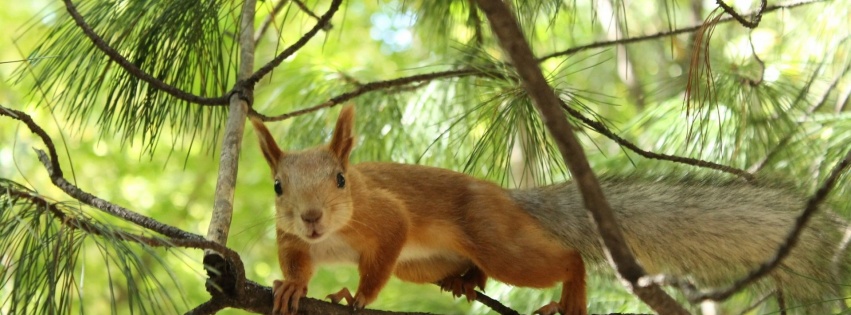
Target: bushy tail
<point x="711" y="232"/>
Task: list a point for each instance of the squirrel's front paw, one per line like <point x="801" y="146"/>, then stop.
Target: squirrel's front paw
<point x="287" y="294"/>
<point x="357" y="302"/>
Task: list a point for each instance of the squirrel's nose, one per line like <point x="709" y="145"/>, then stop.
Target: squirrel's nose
<point x="311" y="216"/>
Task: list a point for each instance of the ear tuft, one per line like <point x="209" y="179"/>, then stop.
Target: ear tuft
<point x="343" y="140"/>
<point x="270" y="149"/>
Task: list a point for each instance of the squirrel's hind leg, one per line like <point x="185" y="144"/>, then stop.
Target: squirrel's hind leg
<point x="573" y="294"/>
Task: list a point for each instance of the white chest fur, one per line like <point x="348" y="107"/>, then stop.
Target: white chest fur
<point x="333" y="250"/>
<point x="415" y="252"/>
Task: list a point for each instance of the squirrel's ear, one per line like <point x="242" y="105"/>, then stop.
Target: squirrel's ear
<point x="271" y="151"/>
<point x="343" y="141"/>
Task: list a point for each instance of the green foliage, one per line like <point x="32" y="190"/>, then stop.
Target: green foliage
<point x="47" y="265"/>
<point x="184" y="43"/>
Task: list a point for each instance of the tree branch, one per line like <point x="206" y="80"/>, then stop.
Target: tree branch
<point x="84" y="224"/>
<point x="116" y="57"/>
<point x="513" y="42"/>
<point x="669" y="33"/>
<point x="212" y="306"/>
<point x="177" y="236"/>
<point x="56" y="176"/>
<point x="375" y="86"/>
<point x="753" y="23"/>
<point x="254" y="78"/>
<point x="268" y="20"/>
<point x="602" y="129"/>
<point x="223" y="275"/>
<point x="494" y="305"/>
<point x="306" y="10"/>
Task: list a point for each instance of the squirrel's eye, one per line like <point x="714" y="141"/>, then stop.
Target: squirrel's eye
<point x="278" y="190"/>
<point x="341" y="181"/>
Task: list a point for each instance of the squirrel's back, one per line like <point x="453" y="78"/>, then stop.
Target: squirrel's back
<point x="711" y="232"/>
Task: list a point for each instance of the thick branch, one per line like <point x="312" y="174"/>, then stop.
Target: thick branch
<point x="116" y="57"/>
<point x="224" y="276"/>
<point x="321" y="24"/>
<point x="514" y="44"/>
<point x="232" y="141"/>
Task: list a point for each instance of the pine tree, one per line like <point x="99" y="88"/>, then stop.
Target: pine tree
<point x="151" y="97"/>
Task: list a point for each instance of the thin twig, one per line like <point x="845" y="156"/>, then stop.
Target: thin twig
<point x="306" y="10"/>
<point x="374" y="86"/>
<point x="684" y="30"/>
<point x="80" y="223"/>
<point x="782" y="143"/>
<point x="812" y="206"/>
<point x="268" y="20"/>
<point x="602" y="129"/>
<point x="116" y="57"/>
<point x="753" y="23"/>
<point x="514" y="44"/>
<point x="254" y="78"/>
<point x="759" y="61"/>
<point x="212" y="306"/>
<point x="494" y="305"/>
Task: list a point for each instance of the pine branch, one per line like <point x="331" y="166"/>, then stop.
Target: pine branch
<point x="669" y="33"/>
<point x="271" y="65"/>
<point x="602" y="129"/>
<point x="810" y="111"/>
<point x="116" y="57"/>
<point x="83" y="224"/>
<point x="514" y="44"/>
<point x="306" y="10"/>
<point x="268" y="20"/>
<point x="377" y="86"/>
<point x="753" y="23"/>
<point x="51" y="163"/>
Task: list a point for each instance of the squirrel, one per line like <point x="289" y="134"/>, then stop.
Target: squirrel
<point x="431" y="225"/>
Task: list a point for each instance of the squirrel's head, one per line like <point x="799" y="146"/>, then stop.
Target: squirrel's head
<point x="313" y="197"/>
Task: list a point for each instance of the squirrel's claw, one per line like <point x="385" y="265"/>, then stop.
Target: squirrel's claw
<point x="341" y="295"/>
<point x="358" y="302"/>
<point x="549" y="309"/>
<point x="557" y="308"/>
<point x="465" y="284"/>
<point x="287" y="295"/>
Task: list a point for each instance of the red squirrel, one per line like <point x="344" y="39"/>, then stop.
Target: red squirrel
<point x="431" y="225"/>
<point x="421" y="224"/>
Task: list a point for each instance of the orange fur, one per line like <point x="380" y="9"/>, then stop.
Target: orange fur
<point x="423" y="224"/>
